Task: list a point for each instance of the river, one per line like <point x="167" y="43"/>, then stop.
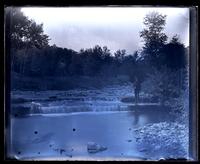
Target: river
<point x="66" y="135"/>
<point x="65" y="124"/>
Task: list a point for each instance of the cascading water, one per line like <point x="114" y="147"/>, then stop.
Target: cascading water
<point x="77" y="100"/>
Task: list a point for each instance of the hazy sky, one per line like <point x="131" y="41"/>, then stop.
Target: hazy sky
<point x="114" y="27"/>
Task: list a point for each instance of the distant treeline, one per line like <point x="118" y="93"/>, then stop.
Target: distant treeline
<point x="56" y="61"/>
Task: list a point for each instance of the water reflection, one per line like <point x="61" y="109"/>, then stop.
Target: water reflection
<point x="150" y="114"/>
<point x="139" y="119"/>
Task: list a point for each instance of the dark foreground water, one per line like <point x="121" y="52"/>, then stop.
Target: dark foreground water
<point x="65" y="136"/>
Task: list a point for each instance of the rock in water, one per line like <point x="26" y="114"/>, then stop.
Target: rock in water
<point x="93" y="147"/>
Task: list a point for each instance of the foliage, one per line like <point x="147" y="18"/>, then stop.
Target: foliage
<point x="180" y="106"/>
<point x="162" y="84"/>
<point x="173" y="54"/>
<point x="153" y="36"/>
<point x="120" y="54"/>
<point x="167" y="62"/>
<point x="56" y="61"/>
<point x="24" y="32"/>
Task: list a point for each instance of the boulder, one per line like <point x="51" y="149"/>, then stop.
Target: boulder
<point x="93" y="147"/>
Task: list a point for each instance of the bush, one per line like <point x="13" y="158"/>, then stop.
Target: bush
<point x="180" y="107"/>
<point x="161" y="83"/>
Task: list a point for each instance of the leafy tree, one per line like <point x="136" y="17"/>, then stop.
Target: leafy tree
<point x="120" y="54"/>
<point x="23" y="33"/>
<point x="153" y="36"/>
<point x="106" y="54"/>
<point x="94" y="58"/>
<point x="167" y="62"/>
<point x="174" y="54"/>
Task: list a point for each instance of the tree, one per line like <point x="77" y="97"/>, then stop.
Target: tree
<point x="174" y="54"/>
<point x="106" y="53"/>
<point x="22" y="33"/>
<point x="119" y="55"/>
<point x="167" y="62"/>
<point x="94" y="59"/>
<point x="161" y="84"/>
<point x="153" y="36"/>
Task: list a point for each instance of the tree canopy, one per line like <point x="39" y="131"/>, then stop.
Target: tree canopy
<point x="153" y="35"/>
<point x="24" y="32"/>
<point x="174" y="54"/>
<point x="165" y="61"/>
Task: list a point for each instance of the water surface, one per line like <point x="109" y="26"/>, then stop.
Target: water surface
<point x="67" y="135"/>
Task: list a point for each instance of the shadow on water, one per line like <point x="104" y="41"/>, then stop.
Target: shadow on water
<point x="149" y="114"/>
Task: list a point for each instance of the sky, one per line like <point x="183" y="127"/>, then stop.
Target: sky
<point x="114" y="27"/>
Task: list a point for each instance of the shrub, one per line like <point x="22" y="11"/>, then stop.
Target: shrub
<point x="180" y="107"/>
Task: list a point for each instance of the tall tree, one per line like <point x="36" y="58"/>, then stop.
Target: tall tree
<point x="23" y="33"/>
<point x="174" y="56"/>
<point x="153" y="36"/>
